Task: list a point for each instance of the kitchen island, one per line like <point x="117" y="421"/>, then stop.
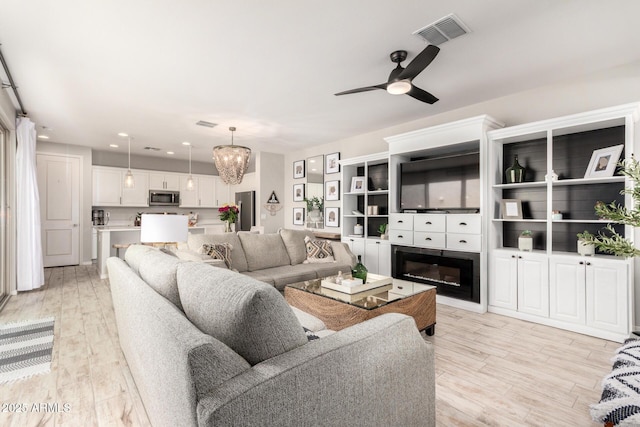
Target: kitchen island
<point x="119" y="235"/>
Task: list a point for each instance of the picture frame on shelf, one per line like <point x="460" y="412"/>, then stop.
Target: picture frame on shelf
<point x="357" y="184"/>
<point x="298" y="169"/>
<point x="332" y="217"/>
<point x="604" y="161"/>
<point x="298" y="216"/>
<point x="511" y="208"/>
<point x="332" y="190"/>
<point x="298" y="192"/>
<point x="332" y="163"/>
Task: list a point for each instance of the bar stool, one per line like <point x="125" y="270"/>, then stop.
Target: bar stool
<point x="118" y="246"/>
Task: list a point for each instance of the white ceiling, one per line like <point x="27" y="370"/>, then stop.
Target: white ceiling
<point x="89" y="70"/>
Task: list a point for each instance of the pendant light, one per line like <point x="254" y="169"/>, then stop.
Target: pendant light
<point x="128" y="178"/>
<point x="190" y="184"/>
<point x="231" y="161"/>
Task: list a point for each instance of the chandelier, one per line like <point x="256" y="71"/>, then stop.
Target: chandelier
<point x="231" y="161"/>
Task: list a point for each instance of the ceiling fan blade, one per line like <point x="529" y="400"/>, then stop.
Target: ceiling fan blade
<point x="421" y="95"/>
<point x="363" y="89"/>
<point x="419" y="63"/>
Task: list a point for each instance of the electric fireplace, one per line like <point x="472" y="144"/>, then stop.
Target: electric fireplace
<point x="455" y="274"/>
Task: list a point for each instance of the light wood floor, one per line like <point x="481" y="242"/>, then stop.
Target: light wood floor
<point x="490" y="370"/>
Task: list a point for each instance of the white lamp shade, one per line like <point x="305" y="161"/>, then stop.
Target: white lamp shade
<point x="158" y="228"/>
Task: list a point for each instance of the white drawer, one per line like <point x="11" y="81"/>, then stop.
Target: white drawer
<point x="401" y="237"/>
<point x="463" y="223"/>
<point x="429" y="222"/>
<point x="464" y="242"/>
<point x="401" y="222"/>
<point x="429" y="239"/>
<point x="402" y="287"/>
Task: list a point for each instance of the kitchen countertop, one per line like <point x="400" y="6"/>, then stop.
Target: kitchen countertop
<point x="131" y="227"/>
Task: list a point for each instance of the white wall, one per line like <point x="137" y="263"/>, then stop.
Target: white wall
<point x="269" y="168"/>
<point x="8" y="120"/>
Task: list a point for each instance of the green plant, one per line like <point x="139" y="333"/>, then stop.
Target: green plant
<point x="526" y="233"/>
<point x="608" y="240"/>
<point x="382" y="229"/>
<point x="314" y="201"/>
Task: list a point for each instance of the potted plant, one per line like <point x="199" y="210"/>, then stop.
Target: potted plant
<point x="383" y="232"/>
<point x="585" y="247"/>
<point x="229" y="215"/>
<point x="525" y="241"/>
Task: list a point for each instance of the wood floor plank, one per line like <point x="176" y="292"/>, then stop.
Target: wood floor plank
<point x="491" y="370"/>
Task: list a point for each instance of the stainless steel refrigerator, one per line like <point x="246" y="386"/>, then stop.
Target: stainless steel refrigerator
<point x="246" y="201"/>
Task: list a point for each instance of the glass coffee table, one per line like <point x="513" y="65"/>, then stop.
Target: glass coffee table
<point x="339" y="310"/>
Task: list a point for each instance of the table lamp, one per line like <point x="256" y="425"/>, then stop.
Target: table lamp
<point x="166" y="229"/>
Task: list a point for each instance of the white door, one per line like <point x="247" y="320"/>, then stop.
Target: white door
<point x="384" y="259"/>
<point x="139" y="194"/>
<point x="222" y="192"/>
<point x="156" y="181"/>
<point x="567" y="289"/>
<point x="59" y="186"/>
<point x="188" y="198"/>
<point x="107" y="186"/>
<point x="371" y="257"/>
<point x="533" y="284"/>
<point x="206" y="191"/>
<point x="503" y="280"/>
<point x="606" y="286"/>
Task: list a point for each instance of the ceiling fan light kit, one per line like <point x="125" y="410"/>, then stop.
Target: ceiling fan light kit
<point x="400" y="78"/>
<point x="231" y="161"/>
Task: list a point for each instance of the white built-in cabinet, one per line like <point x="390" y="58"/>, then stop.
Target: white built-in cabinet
<point x="108" y="188"/>
<point x="204" y="193"/>
<point x="357" y="207"/>
<point x="553" y="285"/>
<point x="589" y="291"/>
<point x="519" y="281"/>
<point x="164" y="181"/>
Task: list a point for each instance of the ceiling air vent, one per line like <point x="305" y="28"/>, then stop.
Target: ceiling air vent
<point x="152" y="148"/>
<point x="206" y="124"/>
<point x="442" y="30"/>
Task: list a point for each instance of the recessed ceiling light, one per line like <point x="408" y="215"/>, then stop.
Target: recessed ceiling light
<point x="123" y="134"/>
<point x="186" y="143"/>
<point x="170" y="152"/>
<point x="113" y="145"/>
<point x="43" y="137"/>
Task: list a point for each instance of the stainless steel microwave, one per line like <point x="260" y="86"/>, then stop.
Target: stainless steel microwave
<point x="164" y="198"/>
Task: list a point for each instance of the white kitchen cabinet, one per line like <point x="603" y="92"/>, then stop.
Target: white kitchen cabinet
<point x="188" y="198"/>
<point x="590" y="291"/>
<point x="356" y="245"/>
<point x="222" y="192"/>
<point x="207" y="192"/>
<point x="377" y="257"/>
<point x="164" y="181"/>
<point x="520" y="282"/>
<point x="108" y="188"/>
<point x="139" y="194"/>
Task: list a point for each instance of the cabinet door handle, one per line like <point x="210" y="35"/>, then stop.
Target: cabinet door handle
<point x="427" y="238"/>
<point x="513" y="256"/>
<point x="588" y="263"/>
<point x="428" y="223"/>
<point x="463" y="223"/>
<point x="463" y="241"/>
<point x="400" y="287"/>
<point x="400" y="221"/>
<point x="400" y="236"/>
<point x="581" y="263"/>
<point x="519" y="257"/>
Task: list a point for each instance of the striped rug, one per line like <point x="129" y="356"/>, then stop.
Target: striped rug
<point x="25" y="349"/>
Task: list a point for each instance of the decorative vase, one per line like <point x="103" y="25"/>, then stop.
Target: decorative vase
<point x="586" y="249"/>
<point x="384" y="237"/>
<point x="358" y="230"/>
<point x="525" y="244"/>
<point x="227" y="226"/>
<point x="515" y="173"/>
<point x="360" y="271"/>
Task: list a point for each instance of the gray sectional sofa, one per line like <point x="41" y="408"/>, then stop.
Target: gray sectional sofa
<point x="275" y="258"/>
<point x="211" y="347"/>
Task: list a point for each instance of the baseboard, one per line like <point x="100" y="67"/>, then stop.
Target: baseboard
<point x="465" y="305"/>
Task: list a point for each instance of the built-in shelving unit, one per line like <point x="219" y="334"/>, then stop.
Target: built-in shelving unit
<point x="553" y="285"/>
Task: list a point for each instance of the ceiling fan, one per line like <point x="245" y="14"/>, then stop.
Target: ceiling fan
<point x="399" y="82"/>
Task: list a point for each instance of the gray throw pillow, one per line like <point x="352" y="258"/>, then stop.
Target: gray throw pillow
<point x="249" y="316"/>
<point x="294" y="242"/>
<point x="264" y="250"/>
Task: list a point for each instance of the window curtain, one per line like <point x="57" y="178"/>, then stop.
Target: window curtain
<point x="30" y="270"/>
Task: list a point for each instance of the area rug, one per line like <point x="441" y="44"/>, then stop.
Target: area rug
<point x="25" y="349"/>
<point x="620" y="401"/>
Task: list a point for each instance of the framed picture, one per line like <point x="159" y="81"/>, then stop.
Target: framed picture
<point x="603" y="162"/>
<point x="298" y="169"/>
<point x="298" y="216"/>
<point x="357" y="184"/>
<point x="332" y="163"/>
<point x="332" y="190"/>
<point x="511" y="209"/>
<point x="332" y="217"/>
<point x="298" y="192"/>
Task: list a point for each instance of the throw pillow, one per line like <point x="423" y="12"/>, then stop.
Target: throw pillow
<point x="318" y="251"/>
<point x="218" y="251"/>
